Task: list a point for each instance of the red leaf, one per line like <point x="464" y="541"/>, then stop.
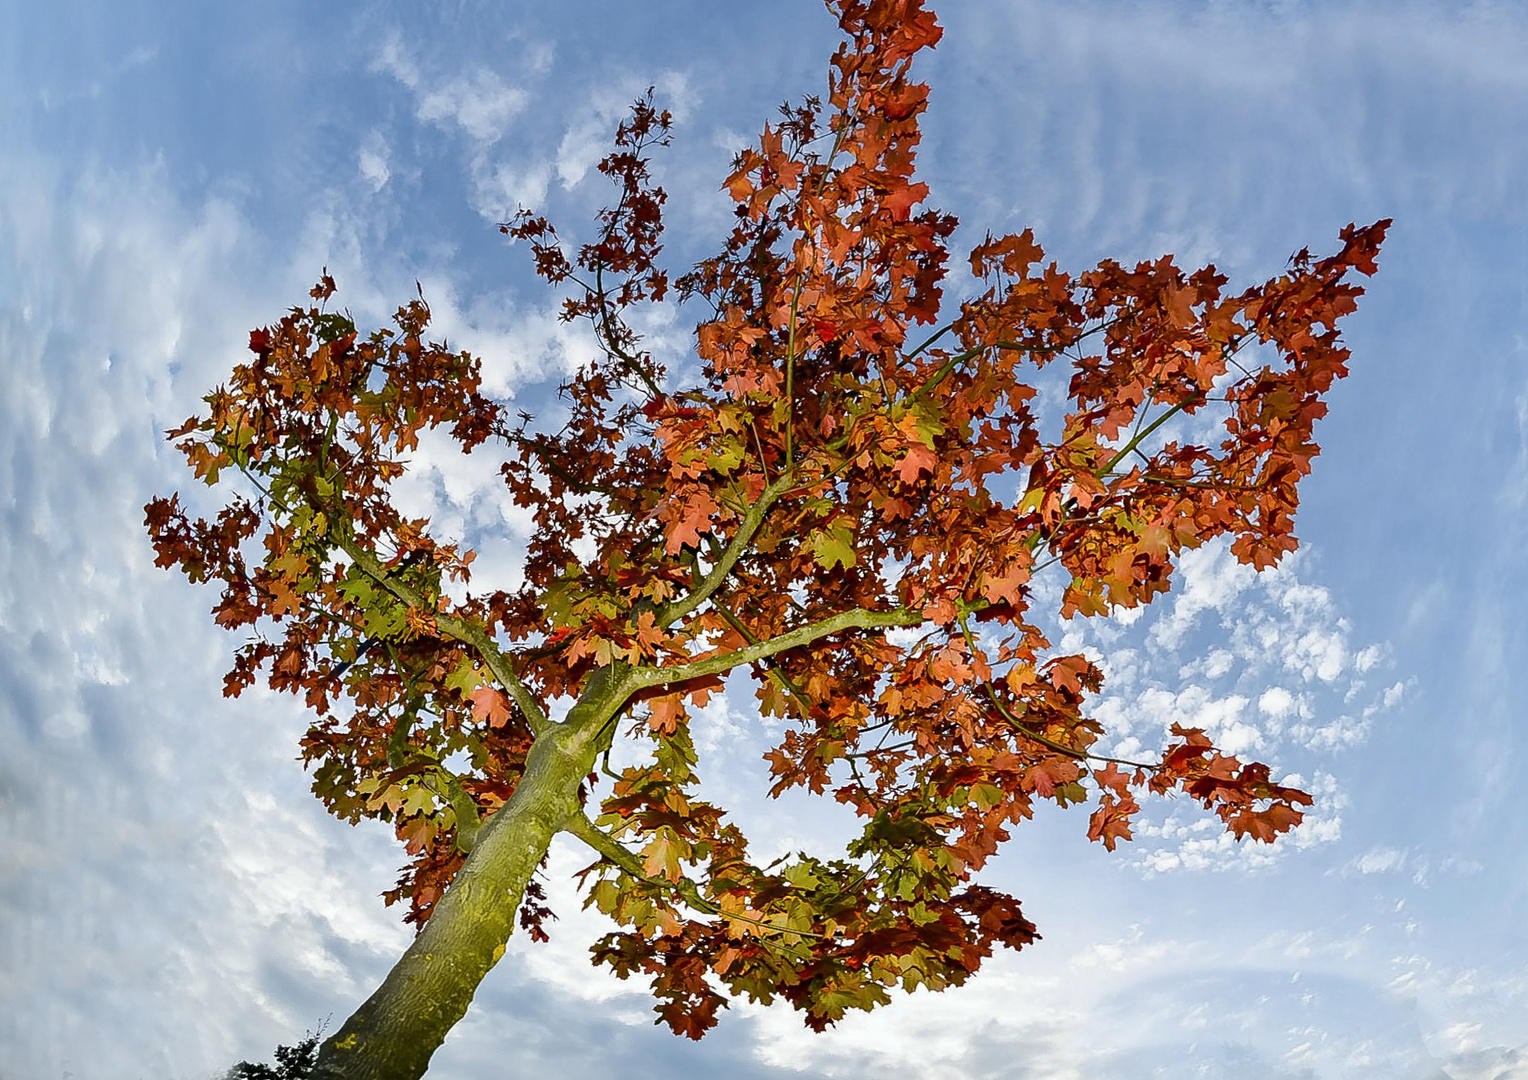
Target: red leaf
<point x="918" y="460"/>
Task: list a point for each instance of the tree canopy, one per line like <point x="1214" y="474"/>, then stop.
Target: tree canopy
<point x="847" y="505"/>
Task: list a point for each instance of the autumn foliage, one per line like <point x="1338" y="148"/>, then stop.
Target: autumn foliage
<point x="848" y="505"/>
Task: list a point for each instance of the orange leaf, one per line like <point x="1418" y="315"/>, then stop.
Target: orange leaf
<point x="489" y="706"/>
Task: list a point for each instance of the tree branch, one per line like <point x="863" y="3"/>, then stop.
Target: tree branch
<point x="609" y="848"/>
<point x="612" y="850"/>
<point x="460" y="629"/>
<point x="548" y="461"/>
<point x="605" y="327"/>
<point x="1138" y="438"/>
<point x="858" y="619"/>
<point x="785" y="682"/>
<point x="1030" y="733"/>
<point x="672" y="613"/>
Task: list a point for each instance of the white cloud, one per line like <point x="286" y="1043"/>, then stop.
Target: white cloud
<point x="1209" y="579"/>
<point x="484" y="108"/>
<point x="171" y="851"/>
<point x="1245" y="634"/>
<point x="502" y="189"/>
<point x="1378" y="861"/>
<point x="371" y="160"/>
<point x="1276" y="702"/>
<point x="481" y="104"/>
<point x="478" y="102"/>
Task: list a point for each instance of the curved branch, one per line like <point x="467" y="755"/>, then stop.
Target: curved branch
<point x="466" y="632"/>
<point x="858" y="619"/>
<point x="605" y="328"/>
<point x="464" y="807"/>
<point x="612" y="850"/>
<point x="672" y="613"/>
<point x="1139" y="437"/>
<point x="548" y="461"/>
<point x="1030" y="733"/>
<point x="784" y="681"/>
<point x="607" y="847"/>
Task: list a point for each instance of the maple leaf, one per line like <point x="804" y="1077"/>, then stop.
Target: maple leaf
<point x="662" y="855"/>
<point x="691" y="521"/>
<point x="1006" y="587"/>
<point x="416" y="833"/>
<point x="1264" y="825"/>
<point x="489" y="706"/>
<point x="949" y="665"/>
<point x="901" y="201"/>
<point x="918" y="460"/>
<point x="1110" y="823"/>
<point x="833" y="545"/>
<point x="464" y="679"/>
<point x="665" y="713"/>
<point x="1013" y="254"/>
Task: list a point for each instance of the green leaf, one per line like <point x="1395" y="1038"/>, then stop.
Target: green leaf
<point x="660" y="858"/>
<point x="801" y="875"/>
<point x="418" y="800"/>
<point x="604" y="896"/>
<point x="834" y="545"/>
<point x="559" y="598"/>
<point x="1071" y="793"/>
<point x="726" y="457"/>
<point x="384" y="622"/>
<point x="927" y="423"/>
<point x="986" y="796"/>
<point x="358" y="589"/>
<point x="465" y="678"/>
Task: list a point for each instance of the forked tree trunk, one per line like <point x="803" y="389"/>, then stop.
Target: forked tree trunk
<point x="394" y="1033"/>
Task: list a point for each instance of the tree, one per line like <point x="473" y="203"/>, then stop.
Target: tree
<point x="849" y="501"/>
<point x="292" y="1063"/>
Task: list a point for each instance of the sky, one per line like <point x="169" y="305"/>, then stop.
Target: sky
<point x="172" y="898"/>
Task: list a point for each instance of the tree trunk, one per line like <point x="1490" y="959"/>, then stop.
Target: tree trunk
<point x="395" y="1032"/>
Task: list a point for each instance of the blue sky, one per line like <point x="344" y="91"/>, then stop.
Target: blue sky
<point x="173" y="899"/>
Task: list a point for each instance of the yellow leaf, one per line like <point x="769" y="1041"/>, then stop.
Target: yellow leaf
<point x="661" y="856"/>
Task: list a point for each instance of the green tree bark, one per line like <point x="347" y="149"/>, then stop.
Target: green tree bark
<point x="396" y="1031"/>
